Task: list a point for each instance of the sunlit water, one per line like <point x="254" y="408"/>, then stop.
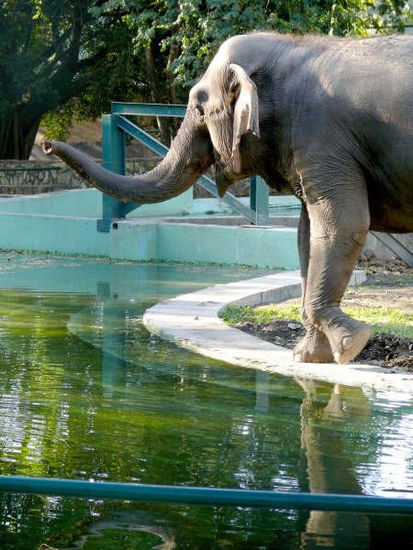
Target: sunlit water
<point x="87" y="393"/>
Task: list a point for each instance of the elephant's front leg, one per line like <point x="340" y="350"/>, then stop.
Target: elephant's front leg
<point x="339" y="222"/>
<point x="314" y="347"/>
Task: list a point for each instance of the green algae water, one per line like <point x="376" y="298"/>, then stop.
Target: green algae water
<point x="87" y="393"/>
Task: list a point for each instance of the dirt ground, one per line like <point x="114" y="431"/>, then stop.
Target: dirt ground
<point x="390" y="285"/>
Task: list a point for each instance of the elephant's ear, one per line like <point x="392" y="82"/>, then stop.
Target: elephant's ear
<point x="246" y="115"/>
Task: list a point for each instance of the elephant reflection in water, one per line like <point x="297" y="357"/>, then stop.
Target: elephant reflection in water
<point x="329" y="470"/>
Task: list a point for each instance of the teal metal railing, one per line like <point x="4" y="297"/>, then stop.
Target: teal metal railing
<point x="116" y="126"/>
<point x="205" y="495"/>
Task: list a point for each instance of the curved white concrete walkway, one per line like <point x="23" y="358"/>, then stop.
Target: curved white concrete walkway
<point x="191" y="320"/>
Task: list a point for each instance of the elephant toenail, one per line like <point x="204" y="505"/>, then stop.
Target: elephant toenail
<point x="337" y="356"/>
<point x="346" y="343"/>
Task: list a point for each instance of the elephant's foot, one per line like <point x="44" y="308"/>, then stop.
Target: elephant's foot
<point x="313" y="348"/>
<point x="347" y="339"/>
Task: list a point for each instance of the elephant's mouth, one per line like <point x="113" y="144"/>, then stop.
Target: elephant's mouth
<point x="223" y="178"/>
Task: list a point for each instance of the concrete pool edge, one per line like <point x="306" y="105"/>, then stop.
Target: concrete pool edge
<point x="192" y="321"/>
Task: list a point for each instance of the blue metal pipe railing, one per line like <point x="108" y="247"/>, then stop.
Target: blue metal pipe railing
<point x="160" y="149"/>
<point x="205" y="495"/>
<point x="115" y="126"/>
<point x="148" y="109"/>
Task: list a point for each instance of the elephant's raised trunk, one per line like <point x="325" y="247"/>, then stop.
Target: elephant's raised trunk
<point x="190" y="155"/>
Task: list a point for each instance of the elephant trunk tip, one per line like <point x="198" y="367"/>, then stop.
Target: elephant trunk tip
<point x="48" y="147"/>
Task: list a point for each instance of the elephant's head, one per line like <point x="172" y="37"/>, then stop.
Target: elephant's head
<point x="222" y="107"/>
<point x="226" y="100"/>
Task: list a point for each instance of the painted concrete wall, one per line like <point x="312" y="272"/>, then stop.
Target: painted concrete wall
<point x="150" y="241"/>
<point x="134" y="241"/>
<point x="88" y="203"/>
<point x="65" y="223"/>
<point x="177" y="242"/>
<point x="265" y="247"/>
<point x="54" y="234"/>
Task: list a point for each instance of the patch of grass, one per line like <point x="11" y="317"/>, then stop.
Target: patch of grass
<point x="379" y="318"/>
<point x="383" y="319"/>
<point x="262" y="314"/>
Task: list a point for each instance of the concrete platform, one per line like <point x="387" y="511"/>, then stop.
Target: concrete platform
<point x="66" y="223"/>
<point x="192" y="321"/>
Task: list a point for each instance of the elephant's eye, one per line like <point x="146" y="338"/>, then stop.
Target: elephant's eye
<point x="201" y="96"/>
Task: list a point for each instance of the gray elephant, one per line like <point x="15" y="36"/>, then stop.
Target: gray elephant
<point x="327" y="119"/>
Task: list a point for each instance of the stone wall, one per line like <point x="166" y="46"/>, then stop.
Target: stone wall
<point x="31" y="177"/>
<point x="19" y="177"/>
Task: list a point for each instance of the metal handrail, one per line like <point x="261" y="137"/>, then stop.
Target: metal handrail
<point x="148" y="109"/>
<point x="205" y="495"/>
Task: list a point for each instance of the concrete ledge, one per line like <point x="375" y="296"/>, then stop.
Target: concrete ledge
<point x="87" y="203"/>
<point x="150" y="239"/>
<point x="192" y="321"/>
<point x="51" y="234"/>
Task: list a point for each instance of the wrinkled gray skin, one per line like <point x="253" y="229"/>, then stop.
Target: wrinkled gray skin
<point x="328" y="119"/>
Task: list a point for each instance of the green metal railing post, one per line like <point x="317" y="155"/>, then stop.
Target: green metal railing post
<point x="113" y="159"/>
<point x="259" y="195"/>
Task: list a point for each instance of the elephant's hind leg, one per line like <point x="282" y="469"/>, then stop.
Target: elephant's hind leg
<point x="339" y="222"/>
<point x="314" y="347"/>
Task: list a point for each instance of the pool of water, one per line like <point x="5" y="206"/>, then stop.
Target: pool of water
<point x="87" y="393"/>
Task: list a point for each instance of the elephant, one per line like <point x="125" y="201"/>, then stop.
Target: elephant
<point x="327" y="119"/>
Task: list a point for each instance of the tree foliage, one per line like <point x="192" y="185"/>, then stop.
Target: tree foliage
<point x="188" y="32"/>
<point x="60" y="60"/>
<point x="45" y="60"/>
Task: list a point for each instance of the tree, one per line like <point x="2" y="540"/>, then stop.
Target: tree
<point x="40" y="66"/>
<point x="60" y="60"/>
<point x="50" y="53"/>
<point x="201" y="26"/>
<point x="173" y="41"/>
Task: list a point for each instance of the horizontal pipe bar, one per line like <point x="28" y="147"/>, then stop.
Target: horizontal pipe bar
<point x="149" y="141"/>
<point x="204" y="495"/>
<point x="149" y="109"/>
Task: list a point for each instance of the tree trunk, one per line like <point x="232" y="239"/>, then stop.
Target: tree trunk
<point x="17" y="136"/>
<point x="164" y="124"/>
<point x="173" y="54"/>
